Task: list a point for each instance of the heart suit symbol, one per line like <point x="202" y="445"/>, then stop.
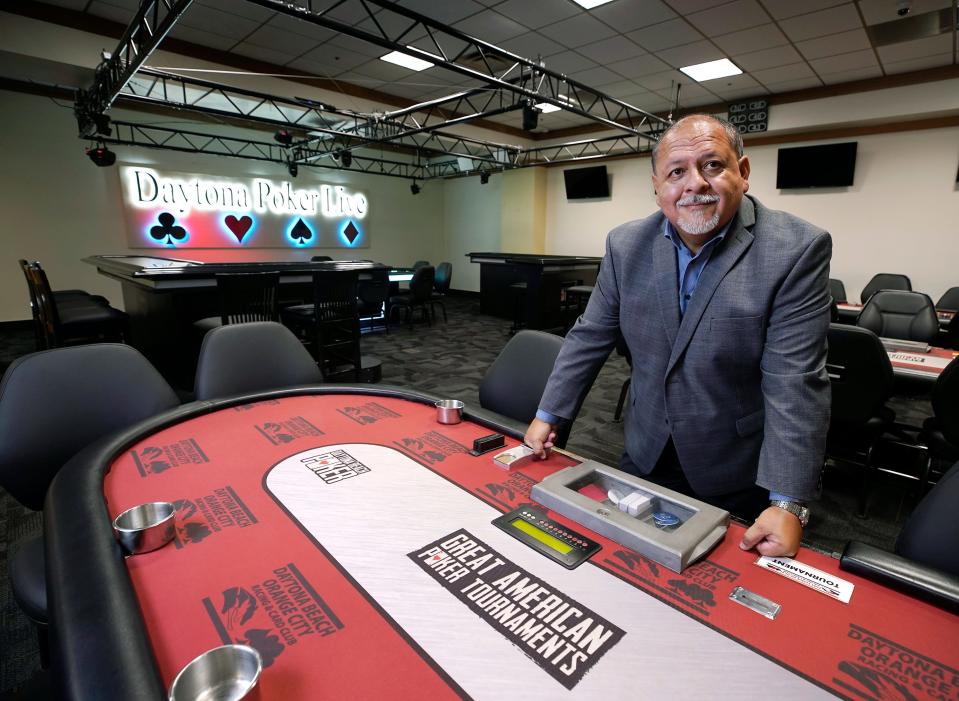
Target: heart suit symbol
<point x="239" y="227"/>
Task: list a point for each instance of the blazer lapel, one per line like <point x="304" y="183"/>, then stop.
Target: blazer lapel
<point x="666" y="283"/>
<point x="737" y="241"/>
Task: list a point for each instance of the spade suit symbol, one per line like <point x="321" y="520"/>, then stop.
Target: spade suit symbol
<point x="166" y="231"/>
<point x="301" y="232"/>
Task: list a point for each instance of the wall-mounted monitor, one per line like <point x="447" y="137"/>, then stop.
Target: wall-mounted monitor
<point x="828" y="165"/>
<point x="586" y="183"/>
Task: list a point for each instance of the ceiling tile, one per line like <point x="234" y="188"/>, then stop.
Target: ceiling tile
<point x="531" y="45"/>
<point x="690" y="54"/>
<point x="721" y="86"/>
<point x="578" y="30"/>
<point x="684" y="7"/>
<point x="275" y="39"/>
<point x="918" y="64"/>
<point x="595" y="77"/>
<point x="917" y="48"/>
<point x="243" y="9"/>
<point x="607" y="51"/>
<point x="490" y="26"/>
<point x="201" y="37"/>
<point x="627" y="15"/>
<point x="538" y="13"/>
<point x="845" y="62"/>
<point x="357" y="46"/>
<point x="781" y="9"/>
<point x="569" y="62"/>
<point x="622" y="87"/>
<point x="781" y="74"/>
<point x="639" y="66"/>
<point x="328" y="59"/>
<point x="767" y="58"/>
<point x="666" y="34"/>
<point x="688" y="91"/>
<point x="733" y="95"/>
<point x="797" y="84"/>
<point x="843" y="42"/>
<point x="445" y="12"/>
<point x="731" y="17"/>
<point x="380" y="70"/>
<point x="261" y="53"/>
<point x="281" y="24"/>
<point x="817" y="24"/>
<point x="222" y="23"/>
<point x="876" y="11"/>
<point x="107" y="11"/>
<point x="666" y="79"/>
<point x="762" y="37"/>
<point x="855" y="74"/>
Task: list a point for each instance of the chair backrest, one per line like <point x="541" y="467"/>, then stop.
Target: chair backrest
<point x="949" y="300"/>
<point x="420" y="264"/>
<point x="45" y="306"/>
<point x="320" y="259"/>
<point x="372" y="291"/>
<point x="514" y="383"/>
<point x="337" y="321"/>
<point x="443" y="277"/>
<point x="899" y="314"/>
<point x="421" y="284"/>
<point x="885" y="281"/>
<point x="39" y="332"/>
<point x="859" y="372"/>
<point x="252" y="357"/>
<point x="837" y="290"/>
<point x="945" y="402"/>
<point x="55" y="402"/>
<point x="930" y="535"/>
<point x="246" y="297"/>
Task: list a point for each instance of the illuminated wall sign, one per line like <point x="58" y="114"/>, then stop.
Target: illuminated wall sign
<point x="181" y="210"/>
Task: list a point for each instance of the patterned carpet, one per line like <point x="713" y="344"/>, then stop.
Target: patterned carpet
<point x="450" y="360"/>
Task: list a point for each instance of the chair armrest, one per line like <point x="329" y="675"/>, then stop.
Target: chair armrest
<point x="935" y="586"/>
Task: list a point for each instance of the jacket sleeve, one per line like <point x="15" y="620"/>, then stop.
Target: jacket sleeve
<point x="795" y="384"/>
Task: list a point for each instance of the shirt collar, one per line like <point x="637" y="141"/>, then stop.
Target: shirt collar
<point x="670" y="233"/>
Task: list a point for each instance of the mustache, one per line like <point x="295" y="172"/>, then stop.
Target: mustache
<point x="698" y="199"/>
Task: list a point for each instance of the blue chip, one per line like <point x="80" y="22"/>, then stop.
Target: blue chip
<point x="664" y="518"/>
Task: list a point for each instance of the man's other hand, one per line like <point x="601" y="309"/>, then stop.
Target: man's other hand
<point x="540" y="437"/>
<point x="775" y="532"/>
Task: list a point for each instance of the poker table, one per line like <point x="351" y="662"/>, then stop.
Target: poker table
<point x="346" y="535"/>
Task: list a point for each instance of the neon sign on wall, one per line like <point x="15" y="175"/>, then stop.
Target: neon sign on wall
<point x="179" y="210"/>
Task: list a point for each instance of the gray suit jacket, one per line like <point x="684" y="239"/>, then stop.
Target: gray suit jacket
<point x="740" y="381"/>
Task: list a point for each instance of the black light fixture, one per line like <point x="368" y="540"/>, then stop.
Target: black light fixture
<point x="346" y="159"/>
<point x="484" y="178"/>
<point x="101" y="155"/>
<point x="283" y="137"/>
<point x="414" y="188"/>
<point x="530" y="117"/>
<point x="102" y="124"/>
<point x="293" y="168"/>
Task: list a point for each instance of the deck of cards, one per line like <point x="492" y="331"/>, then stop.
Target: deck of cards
<point x="514" y="457"/>
<point x="635" y="503"/>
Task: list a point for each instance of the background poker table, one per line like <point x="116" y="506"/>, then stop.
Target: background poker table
<point x="313" y="524"/>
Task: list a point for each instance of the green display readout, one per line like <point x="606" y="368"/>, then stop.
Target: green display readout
<point x="542" y="536"/>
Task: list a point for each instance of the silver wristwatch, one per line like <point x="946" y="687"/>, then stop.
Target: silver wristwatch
<point x="800" y="511"/>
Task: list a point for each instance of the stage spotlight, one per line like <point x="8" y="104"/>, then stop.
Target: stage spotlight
<point x="293" y="168"/>
<point x="484" y="178"/>
<point x="102" y="123"/>
<point x="414" y="188"/>
<point x="530" y="117"/>
<point x="346" y="159"/>
<point x="102" y="156"/>
<point x="283" y="137"/>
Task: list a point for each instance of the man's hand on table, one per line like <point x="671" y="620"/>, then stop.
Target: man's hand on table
<point x="775" y="532"/>
<point x="540" y="437"/>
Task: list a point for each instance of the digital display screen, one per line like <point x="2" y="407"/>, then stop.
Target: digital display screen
<point x="542" y="536"/>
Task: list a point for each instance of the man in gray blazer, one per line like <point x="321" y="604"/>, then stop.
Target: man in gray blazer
<point x="724" y="306"/>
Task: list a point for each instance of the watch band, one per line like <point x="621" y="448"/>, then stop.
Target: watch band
<point x="800" y="511"/>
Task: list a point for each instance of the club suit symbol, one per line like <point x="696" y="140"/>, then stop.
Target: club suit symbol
<point x="301" y="232"/>
<point x="166" y="232"/>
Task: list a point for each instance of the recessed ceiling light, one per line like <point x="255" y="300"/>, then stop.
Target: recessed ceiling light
<point x="711" y="70"/>
<point x="590" y="4"/>
<point x="407" y="61"/>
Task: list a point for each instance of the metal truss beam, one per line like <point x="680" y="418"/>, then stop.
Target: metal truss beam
<point x="582" y="150"/>
<point x="453" y="50"/>
<point x="153" y="20"/>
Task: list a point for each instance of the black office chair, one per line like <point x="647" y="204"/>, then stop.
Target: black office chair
<point x="862" y="381"/>
<point x="833" y="310"/>
<point x="53" y="403"/>
<point x="244" y="297"/>
<point x="421" y="289"/>
<point x="837" y="290"/>
<point x="441" y="286"/>
<point x="940" y="432"/>
<point x="372" y="295"/>
<point x="420" y="264"/>
<point x="885" y="281"/>
<point x="623" y="350"/>
<point x="513" y="385"/>
<point x="320" y="259"/>
<point x="900" y="314"/>
<point x="926" y="559"/>
<point x="949" y="300"/>
<point x="253" y="357"/>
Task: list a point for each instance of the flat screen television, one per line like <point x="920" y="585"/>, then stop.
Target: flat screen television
<point x="585" y="183"/>
<point x="828" y="165"/>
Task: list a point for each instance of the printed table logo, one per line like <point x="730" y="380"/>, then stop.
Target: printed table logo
<point x="431" y="448"/>
<point x="281" y="432"/>
<point x="273" y="614"/>
<point x="153" y="459"/>
<point x="334" y="466"/>
<point x="558" y="633"/>
<point x="512" y="492"/>
<point x="368" y="413"/>
<point x="199" y="518"/>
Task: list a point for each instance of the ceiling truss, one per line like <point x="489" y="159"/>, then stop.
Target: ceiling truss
<point x="417" y="135"/>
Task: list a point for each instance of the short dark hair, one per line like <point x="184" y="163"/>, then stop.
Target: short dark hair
<point x="732" y="133"/>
